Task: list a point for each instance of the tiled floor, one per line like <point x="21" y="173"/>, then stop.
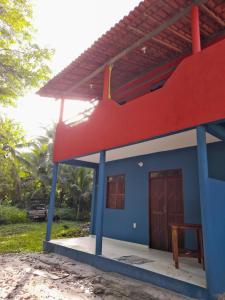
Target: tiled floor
<point x="141" y="256"/>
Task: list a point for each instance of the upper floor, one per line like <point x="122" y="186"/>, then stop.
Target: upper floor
<point x="160" y="70"/>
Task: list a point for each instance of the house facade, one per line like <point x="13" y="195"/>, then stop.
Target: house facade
<point x="154" y="137"/>
<point x="132" y="221"/>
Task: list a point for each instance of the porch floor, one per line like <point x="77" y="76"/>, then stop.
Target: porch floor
<point x="141" y="256"/>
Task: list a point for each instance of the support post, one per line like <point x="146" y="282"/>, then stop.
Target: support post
<point x="61" y="110"/>
<point x="51" y="207"/>
<point x="202" y="155"/>
<point x="195" y="30"/>
<point x="203" y="174"/>
<point x="107" y="82"/>
<point x="100" y="204"/>
<point x="93" y="201"/>
<point x="212" y="193"/>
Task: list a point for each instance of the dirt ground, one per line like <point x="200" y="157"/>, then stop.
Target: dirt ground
<point x="54" y="277"/>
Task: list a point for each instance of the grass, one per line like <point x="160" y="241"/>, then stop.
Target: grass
<point x="29" y="237"/>
<point x="12" y="215"/>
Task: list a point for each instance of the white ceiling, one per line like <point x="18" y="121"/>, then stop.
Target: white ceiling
<point x="171" y="142"/>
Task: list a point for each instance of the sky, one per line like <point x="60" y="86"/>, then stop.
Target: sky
<point x="69" y="27"/>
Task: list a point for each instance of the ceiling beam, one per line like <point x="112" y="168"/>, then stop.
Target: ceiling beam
<point x="135" y="45"/>
<point x="216" y="130"/>
<point x="213" y="15"/>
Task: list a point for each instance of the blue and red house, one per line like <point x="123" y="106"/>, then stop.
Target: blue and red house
<point x="155" y="137"/>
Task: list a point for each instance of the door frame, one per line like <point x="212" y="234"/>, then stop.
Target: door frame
<point x="149" y="198"/>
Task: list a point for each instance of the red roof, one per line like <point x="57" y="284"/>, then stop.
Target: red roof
<point x="171" y="43"/>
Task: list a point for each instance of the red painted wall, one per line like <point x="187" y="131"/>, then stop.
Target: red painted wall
<point x="194" y="94"/>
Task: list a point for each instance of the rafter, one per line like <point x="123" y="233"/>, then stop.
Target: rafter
<point x="135" y="45"/>
<point x="213" y="15"/>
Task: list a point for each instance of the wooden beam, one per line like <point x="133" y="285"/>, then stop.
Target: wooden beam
<point x="172" y="29"/>
<point x="107" y="83"/>
<point x="157" y="40"/>
<point x="213" y="15"/>
<point x="185" y="37"/>
<point x="137" y="44"/>
<point x="166" y="44"/>
<point x="61" y="110"/>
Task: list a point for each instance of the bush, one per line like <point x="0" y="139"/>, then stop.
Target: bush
<point x="85" y="216"/>
<point x="66" y="214"/>
<point x="81" y="230"/>
<point x="12" y="215"/>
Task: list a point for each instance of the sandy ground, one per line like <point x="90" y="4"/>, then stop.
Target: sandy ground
<point x="54" y="277"/>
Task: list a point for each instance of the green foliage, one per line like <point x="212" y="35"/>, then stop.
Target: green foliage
<point x="29" y="237"/>
<point x="26" y="176"/>
<point x="23" y="64"/>
<point x="13" y="165"/>
<point x="68" y="214"/>
<point x="12" y="215"/>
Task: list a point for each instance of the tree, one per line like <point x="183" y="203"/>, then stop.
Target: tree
<point x="13" y="165"/>
<point x="23" y="64"/>
<point x="75" y="189"/>
<point x="27" y="175"/>
<point x="74" y="186"/>
<point x="40" y="165"/>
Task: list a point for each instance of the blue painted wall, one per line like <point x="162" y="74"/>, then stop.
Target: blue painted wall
<point x="118" y="224"/>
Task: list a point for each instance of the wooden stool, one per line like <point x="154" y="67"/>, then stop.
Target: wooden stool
<point x="176" y="228"/>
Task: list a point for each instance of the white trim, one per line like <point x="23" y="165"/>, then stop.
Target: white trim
<point x="171" y="142"/>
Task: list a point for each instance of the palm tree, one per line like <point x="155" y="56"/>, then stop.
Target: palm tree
<point x="40" y="159"/>
<point x="75" y="184"/>
<point x="83" y="188"/>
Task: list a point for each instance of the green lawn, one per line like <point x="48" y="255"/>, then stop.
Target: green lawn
<point x="29" y="237"/>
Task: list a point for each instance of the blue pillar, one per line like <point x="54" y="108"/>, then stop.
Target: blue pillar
<point x="202" y="159"/>
<point x="212" y="198"/>
<point x="93" y="201"/>
<point x="100" y="204"/>
<point x="203" y="174"/>
<point x="52" y="202"/>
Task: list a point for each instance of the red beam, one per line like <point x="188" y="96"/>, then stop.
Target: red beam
<point x="143" y="88"/>
<point x="131" y="84"/>
<point x="195" y="30"/>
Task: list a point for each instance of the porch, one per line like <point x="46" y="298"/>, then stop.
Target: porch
<point x="137" y="261"/>
<point x="141" y="256"/>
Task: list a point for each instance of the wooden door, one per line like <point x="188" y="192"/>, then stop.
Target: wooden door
<point x="166" y="206"/>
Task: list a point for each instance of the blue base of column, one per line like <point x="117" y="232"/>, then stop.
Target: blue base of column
<point x="51" y="207"/>
<point x="94" y="201"/>
<point x="100" y="204"/>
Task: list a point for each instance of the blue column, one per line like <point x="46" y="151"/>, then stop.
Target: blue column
<point x="100" y="204"/>
<point x="94" y="201"/>
<point x="203" y="174"/>
<point x="52" y="202"/>
<point x="202" y="157"/>
<point x="212" y="197"/>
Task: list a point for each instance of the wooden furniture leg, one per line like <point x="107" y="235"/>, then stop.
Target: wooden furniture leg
<point x="199" y="246"/>
<point x="175" y="246"/>
<point x="176" y="228"/>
